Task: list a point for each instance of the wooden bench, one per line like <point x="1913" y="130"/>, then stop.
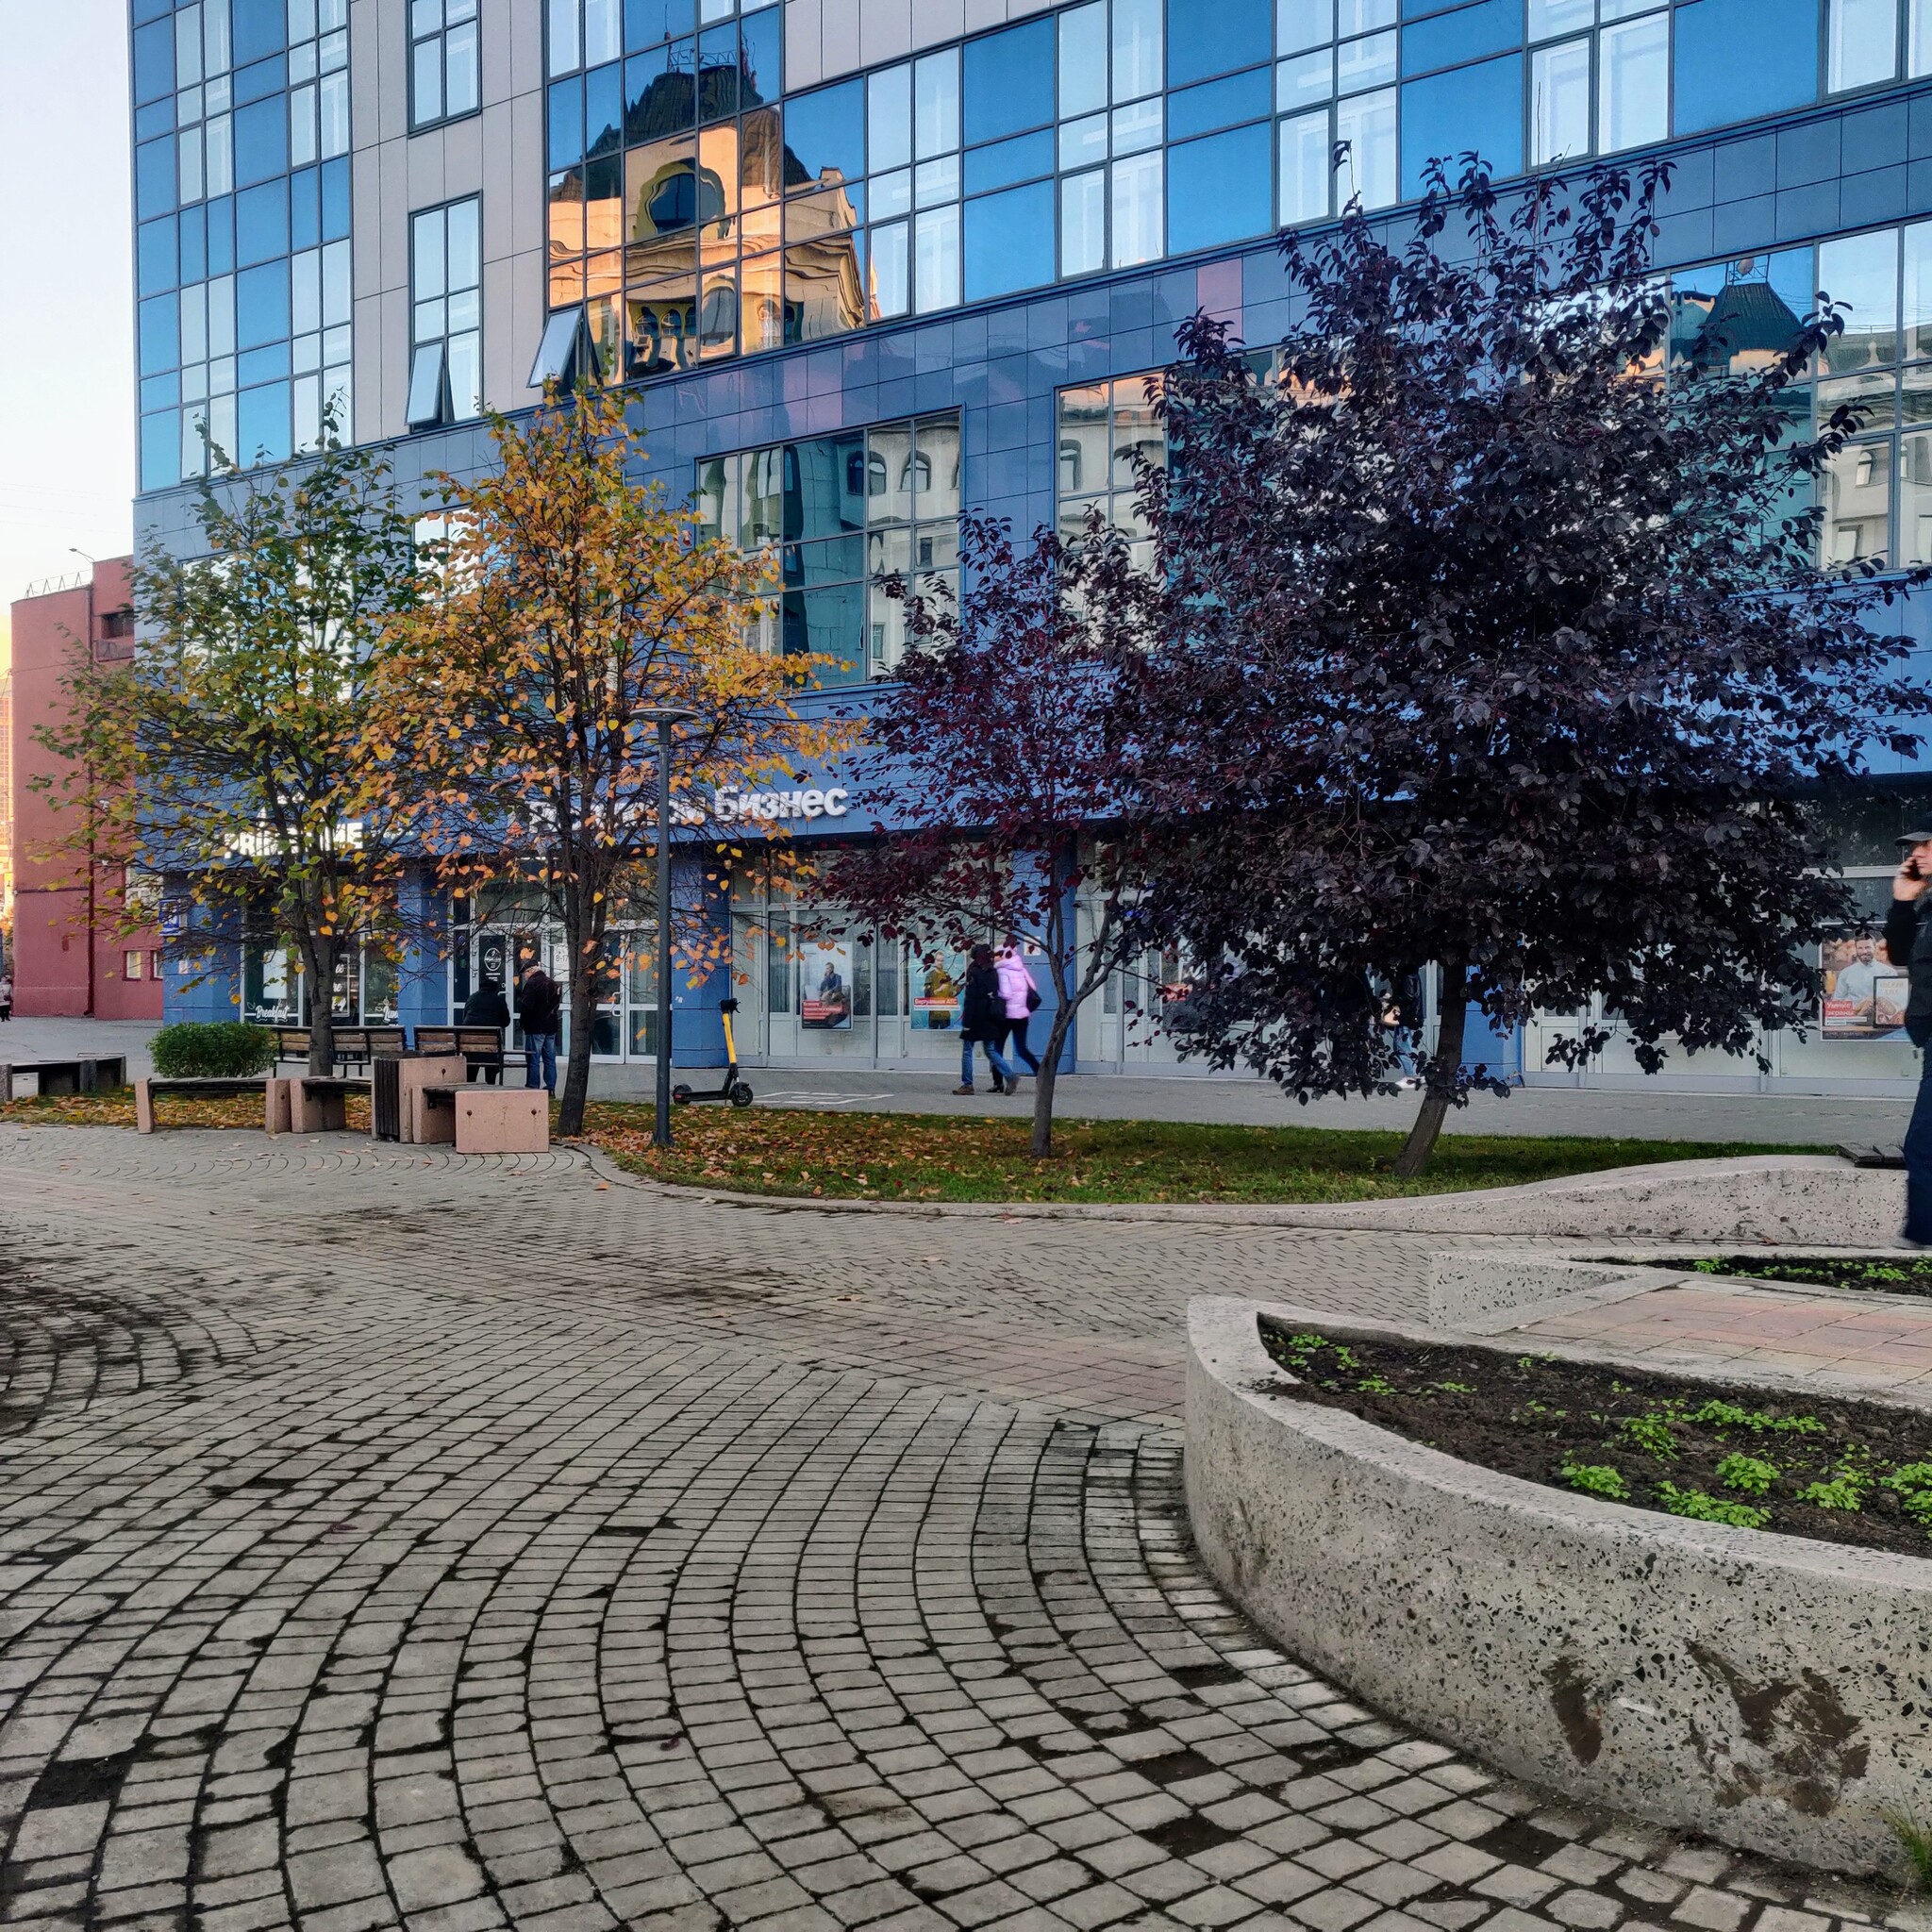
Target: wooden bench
<point x="87" y="1074"/>
<point x="146" y="1091"/>
<point x="355" y="1046"/>
<point x="480" y="1046"/>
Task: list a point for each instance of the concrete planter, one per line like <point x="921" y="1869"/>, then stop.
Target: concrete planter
<point x="1769" y="1692"/>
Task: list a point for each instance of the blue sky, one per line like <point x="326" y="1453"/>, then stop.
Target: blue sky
<point x="66" y="323"/>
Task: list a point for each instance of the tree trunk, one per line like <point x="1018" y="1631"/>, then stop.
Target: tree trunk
<point x="319" y="961"/>
<point x="1043" y="1081"/>
<point x="576" y="1078"/>
<point x="1439" y="1083"/>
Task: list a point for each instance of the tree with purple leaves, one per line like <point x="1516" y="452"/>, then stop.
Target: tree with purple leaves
<point x="995" y="755"/>
<point x="1491" y="644"/>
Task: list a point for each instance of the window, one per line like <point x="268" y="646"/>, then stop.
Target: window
<point x="131" y="965"/>
<point x="1305" y="171"/>
<point x="318" y="80"/>
<point x="1559" y="103"/>
<point x="670" y="231"/>
<point x="843" y="511"/>
<point x="1102" y="427"/>
<point x="320" y="302"/>
<point x="1734" y="317"/>
<point x="1633" y="83"/>
<point x="442" y="60"/>
<point x="1863" y="47"/>
<point x="1366" y="126"/>
<point x="446" y="328"/>
<point x="1738" y="60"/>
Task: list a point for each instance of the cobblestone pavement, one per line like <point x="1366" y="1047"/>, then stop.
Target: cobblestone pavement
<point x="391" y="1540"/>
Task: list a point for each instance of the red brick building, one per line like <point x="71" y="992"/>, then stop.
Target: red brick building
<point x="69" y="956"/>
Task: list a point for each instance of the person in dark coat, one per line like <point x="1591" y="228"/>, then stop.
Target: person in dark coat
<point x="982" y="1021"/>
<point x="486" y="1007"/>
<point x="1909" y="943"/>
<point x="539" y="1005"/>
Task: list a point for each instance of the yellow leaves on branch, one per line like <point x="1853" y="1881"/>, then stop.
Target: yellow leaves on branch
<point x="573" y="599"/>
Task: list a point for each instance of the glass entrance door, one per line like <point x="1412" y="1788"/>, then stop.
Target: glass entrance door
<point x="625" y="1026"/>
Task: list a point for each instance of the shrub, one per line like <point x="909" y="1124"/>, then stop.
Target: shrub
<point x="222" y="1050"/>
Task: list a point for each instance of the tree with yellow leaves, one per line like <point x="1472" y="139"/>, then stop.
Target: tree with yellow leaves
<point x="231" y="753"/>
<point x="577" y="602"/>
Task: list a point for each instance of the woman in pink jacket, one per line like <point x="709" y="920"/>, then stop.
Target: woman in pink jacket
<point x="1020" y="993"/>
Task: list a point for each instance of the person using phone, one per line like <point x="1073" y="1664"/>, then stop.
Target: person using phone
<point x="1909" y="943"/>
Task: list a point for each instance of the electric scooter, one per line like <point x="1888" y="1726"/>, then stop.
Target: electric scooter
<point x="734" y="1090"/>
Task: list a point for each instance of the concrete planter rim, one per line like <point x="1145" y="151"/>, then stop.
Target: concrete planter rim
<point x="1351" y="1435"/>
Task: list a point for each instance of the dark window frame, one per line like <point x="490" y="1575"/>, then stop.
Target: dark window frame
<point x="412" y="40"/>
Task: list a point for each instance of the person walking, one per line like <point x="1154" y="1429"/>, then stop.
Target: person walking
<point x="6" y="995"/>
<point x="540" y="1002"/>
<point x="1020" y="1000"/>
<point x="1909" y="942"/>
<point x="982" y="1021"/>
<point x="486" y="1007"/>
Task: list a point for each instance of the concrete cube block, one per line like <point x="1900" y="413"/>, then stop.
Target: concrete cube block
<point x="427" y="1118"/>
<point x="275" y="1106"/>
<point x="316" y="1110"/>
<point x="444" y="1069"/>
<point x="501" y="1119"/>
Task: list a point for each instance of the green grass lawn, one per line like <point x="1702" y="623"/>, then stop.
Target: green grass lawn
<point x="900" y="1157"/>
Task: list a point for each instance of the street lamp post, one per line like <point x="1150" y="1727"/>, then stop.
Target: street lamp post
<point x="664" y="717"/>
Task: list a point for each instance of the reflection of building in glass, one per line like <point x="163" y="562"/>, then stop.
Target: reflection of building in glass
<point x="845" y="511"/>
<point x="689" y="230"/>
<point x="1743" y="327"/>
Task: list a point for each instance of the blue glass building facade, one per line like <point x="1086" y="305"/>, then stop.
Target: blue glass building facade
<point x="865" y="265"/>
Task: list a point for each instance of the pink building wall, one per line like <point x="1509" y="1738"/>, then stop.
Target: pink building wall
<point x="52" y="945"/>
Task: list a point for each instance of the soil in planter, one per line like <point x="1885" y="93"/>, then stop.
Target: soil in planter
<point x="1884" y="1274"/>
<point x="1836" y="1472"/>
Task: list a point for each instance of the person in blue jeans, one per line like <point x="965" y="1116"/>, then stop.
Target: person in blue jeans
<point x="983" y="1022"/>
<point x="540" y="1002"/>
<point x="1909" y="943"/>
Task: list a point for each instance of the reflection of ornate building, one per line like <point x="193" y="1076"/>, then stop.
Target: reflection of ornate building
<point x="688" y="243"/>
<point x="1745" y="327"/>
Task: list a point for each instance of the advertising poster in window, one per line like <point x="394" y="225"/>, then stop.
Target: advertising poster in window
<point x="1864" y="992"/>
<point x="824" y="986"/>
<point x="935" y="993"/>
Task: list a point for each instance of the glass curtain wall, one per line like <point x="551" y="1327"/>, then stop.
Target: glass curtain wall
<point x="842" y="511"/>
<point x="242" y="204"/>
<point x="696" y="214"/>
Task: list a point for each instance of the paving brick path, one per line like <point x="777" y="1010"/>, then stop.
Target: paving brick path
<point x="389" y="1539"/>
<point x="1884" y="1341"/>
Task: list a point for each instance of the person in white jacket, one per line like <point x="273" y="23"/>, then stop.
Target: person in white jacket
<point x="1020" y="995"/>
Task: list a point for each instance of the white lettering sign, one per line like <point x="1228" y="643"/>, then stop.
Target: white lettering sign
<point x="780" y="807"/>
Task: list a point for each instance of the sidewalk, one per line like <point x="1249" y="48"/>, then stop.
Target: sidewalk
<point x="1882" y="1341"/>
<point x="1795" y="1119"/>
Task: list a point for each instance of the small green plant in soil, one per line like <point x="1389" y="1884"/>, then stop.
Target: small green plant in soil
<point x="1703" y="1508"/>
<point x="1652" y="1434"/>
<point x="1880" y="1274"/>
<point x="1838" y="1471"/>
<point x="1740" y="1472"/>
<point x="1596" y="1479"/>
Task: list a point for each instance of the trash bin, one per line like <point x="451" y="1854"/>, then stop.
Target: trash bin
<point x="386" y="1097"/>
